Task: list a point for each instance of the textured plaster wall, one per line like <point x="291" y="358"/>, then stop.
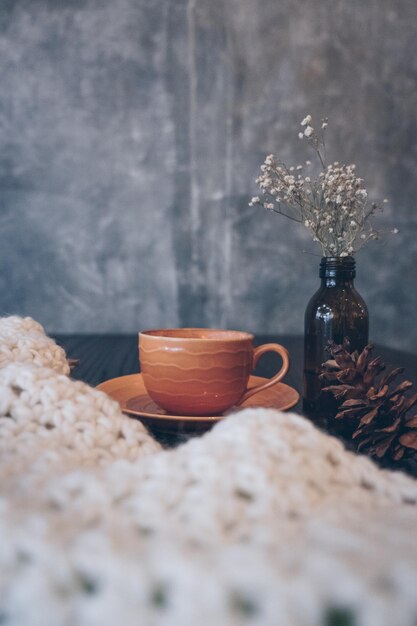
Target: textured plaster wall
<point x="130" y="135"/>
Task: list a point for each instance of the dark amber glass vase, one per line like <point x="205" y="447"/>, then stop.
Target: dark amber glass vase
<point x="334" y="312"/>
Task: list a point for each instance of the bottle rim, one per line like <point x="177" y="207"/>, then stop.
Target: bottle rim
<point x="337" y="267"/>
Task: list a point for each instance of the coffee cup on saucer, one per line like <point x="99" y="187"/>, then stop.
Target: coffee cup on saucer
<point x="202" y="371"/>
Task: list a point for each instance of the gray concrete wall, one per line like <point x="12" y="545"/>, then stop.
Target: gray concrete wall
<point x="131" y="132"/>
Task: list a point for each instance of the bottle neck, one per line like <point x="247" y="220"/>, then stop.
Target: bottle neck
<point x="337" y="271"/>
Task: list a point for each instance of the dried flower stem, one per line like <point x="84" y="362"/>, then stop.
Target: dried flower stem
<point x="333" y="207"/>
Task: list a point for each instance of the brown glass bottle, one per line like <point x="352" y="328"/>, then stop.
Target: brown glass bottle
<point x="335" y="311"/>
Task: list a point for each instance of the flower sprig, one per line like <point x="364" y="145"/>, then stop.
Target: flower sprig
<point x="334" y="207"/>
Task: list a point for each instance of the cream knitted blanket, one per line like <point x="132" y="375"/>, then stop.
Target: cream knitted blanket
<point x="262" y="521"/>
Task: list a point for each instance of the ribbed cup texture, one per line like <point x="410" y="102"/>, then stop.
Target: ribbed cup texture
<point x="195" y="377"/>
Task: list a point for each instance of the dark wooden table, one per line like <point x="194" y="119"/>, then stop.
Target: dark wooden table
<point x="102" y="357"/>
<point x="107" y="356"/>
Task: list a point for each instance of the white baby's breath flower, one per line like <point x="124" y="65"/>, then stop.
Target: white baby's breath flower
<point x="333" y="206"/>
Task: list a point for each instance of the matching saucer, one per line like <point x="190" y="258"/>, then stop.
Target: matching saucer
<point x="129" y="391"/>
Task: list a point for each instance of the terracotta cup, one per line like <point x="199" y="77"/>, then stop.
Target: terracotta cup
<point x="200" y="371"/>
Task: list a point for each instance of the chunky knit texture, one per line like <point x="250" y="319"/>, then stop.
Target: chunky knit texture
<point x="23" y="340"/>
<point x="262" y="521"/>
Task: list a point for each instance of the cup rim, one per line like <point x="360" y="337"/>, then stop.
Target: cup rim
<point x="215" y="334"/>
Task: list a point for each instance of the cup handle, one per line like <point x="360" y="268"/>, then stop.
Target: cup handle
<point x="258" y="352"/>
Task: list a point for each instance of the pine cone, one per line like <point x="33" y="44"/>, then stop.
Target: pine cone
<point x="374" y="412"/>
